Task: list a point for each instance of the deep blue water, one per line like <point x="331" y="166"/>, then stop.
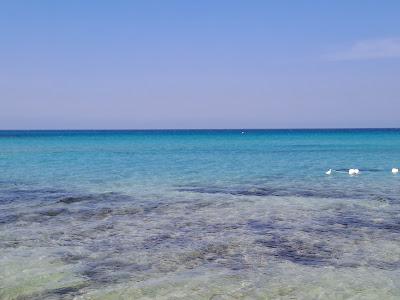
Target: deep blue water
<point x="172" y="213"/>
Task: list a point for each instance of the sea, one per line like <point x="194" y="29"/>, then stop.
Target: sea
<point x="199" y="214"/>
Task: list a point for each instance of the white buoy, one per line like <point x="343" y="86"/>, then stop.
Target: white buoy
<point x="354" y="171"/>
<point x="395" y="170"/>
<point x="329" y="172"/>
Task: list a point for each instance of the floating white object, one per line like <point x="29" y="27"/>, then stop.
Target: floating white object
<point x="354" y="171"/>
<point x="328" y="172"/>
<point x="395" y="170"/>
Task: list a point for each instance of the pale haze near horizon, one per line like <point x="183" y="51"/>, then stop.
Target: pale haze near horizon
<point x="203" y="64"/>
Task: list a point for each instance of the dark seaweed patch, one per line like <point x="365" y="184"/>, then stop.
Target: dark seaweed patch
<point x="65" y="290"/>
<point x="266" y="191"/>
<point x="72" y="258"/>
<point x="111" y="196"/>
<point x="384" y="265"/>
<point x="203" y="190"/>
<point x="157" y="240"/>
<point x="8" y="218"/>
<point x="360" y="218"/>
<point x="219" y="254"/>
<point x="13" y="195"/>
<point x="299" y="251"/>
<point x="322" y="192"/>
<point x="122" y="211"/>
<point x="68" y="292"/>
<point x="112" y="271"/>
<point x="103" y="212"/>
<point x="261" y="227"/>
<point x="72" y="199"/>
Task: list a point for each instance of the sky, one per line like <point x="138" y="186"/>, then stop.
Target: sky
<point x="199" y="64"/>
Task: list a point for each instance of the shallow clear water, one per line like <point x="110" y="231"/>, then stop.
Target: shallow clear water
<point x="199" y="214"/>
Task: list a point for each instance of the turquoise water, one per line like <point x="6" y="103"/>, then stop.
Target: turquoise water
<point x="199" y="214"/>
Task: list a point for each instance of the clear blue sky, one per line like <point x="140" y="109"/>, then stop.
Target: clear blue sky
<point x="199" y="64"/>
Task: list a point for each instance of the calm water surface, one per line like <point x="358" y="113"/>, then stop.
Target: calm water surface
<point x="199" y="214"/>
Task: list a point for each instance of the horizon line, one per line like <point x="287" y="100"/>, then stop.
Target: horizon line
<point x="204" y="129"/>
